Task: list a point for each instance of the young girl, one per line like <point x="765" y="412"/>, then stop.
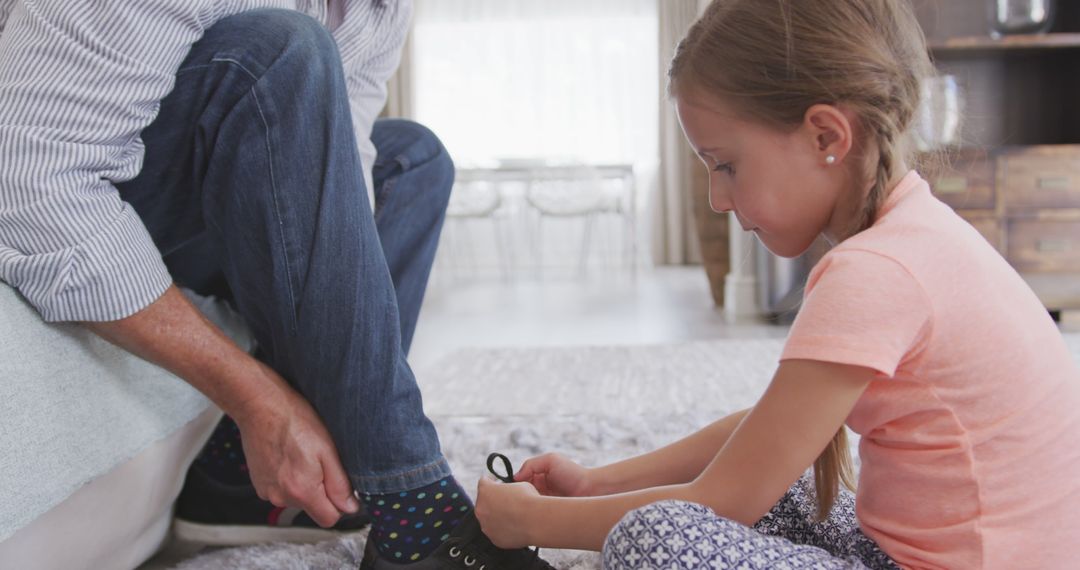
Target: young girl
<point x="914" y="332"/>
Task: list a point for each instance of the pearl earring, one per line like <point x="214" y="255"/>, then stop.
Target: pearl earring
<point x="830" y="160"/>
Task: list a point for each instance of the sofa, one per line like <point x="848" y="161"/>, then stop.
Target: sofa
<point x="95" y="442"/>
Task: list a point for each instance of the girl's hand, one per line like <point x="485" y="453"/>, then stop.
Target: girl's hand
<point x="504" y="511"/>
<point x="553" y="474"/>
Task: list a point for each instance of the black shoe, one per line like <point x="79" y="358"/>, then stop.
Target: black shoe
<point x="467" y="548"/>
<point x="212" y="513"/>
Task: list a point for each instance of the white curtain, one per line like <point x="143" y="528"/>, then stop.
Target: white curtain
<point x="676" y="242"/>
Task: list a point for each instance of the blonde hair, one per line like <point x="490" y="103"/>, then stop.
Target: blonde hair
<point x="774" y="59"/>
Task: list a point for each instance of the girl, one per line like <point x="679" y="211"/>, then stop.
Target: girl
<point x="914" y="332"/>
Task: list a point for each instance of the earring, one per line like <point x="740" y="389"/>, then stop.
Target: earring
<point x="830" y="160"/>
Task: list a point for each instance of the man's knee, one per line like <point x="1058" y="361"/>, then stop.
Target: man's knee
<point x="275" y="36"/>
<point x="414" y="146"/>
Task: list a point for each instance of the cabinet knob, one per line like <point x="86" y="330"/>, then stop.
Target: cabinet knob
<point x="952" y="184"/>
<point x="1053" y="183"/>
<point x="1051" y="245"/>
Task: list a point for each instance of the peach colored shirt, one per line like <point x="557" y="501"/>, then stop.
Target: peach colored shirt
<point x="970" y="449"/>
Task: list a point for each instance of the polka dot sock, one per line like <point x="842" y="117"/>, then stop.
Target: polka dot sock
<point x="409" y="526"/>
<point x="222" y="459"/>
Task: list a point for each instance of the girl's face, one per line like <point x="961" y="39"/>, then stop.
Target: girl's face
<point x="778" y="184"/>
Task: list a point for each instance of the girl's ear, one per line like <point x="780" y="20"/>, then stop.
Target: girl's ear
<point x="831" y="133"/>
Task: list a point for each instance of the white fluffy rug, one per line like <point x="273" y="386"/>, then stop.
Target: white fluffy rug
<point x="596" y="404"/>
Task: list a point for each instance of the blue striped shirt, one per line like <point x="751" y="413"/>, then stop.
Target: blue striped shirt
<point x="79" y="81"/>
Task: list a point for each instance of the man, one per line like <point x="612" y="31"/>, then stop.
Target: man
<point x="233" y="149"/>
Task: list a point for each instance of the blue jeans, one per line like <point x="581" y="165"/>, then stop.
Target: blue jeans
<point x="252" y="190"/>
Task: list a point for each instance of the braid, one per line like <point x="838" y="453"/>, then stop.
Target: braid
<point x="885" y="137"/>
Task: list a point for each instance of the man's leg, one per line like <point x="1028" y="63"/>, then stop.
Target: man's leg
<point x="254" y="151"/>
<point x="253" y="154"/>
<point x="413" y="177"/>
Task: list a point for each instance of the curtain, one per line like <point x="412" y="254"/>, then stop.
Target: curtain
<point x="675" y="240"/>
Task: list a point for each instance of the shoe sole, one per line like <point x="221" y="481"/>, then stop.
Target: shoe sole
<point x="242" y="535"/>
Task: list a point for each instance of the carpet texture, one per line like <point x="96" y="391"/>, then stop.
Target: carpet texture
<point x="594" y="404"/>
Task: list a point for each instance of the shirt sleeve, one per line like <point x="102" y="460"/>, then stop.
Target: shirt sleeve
<point x="860" y="308"/>
<point x="371" y="41"/>
<point x="79" y="80"/>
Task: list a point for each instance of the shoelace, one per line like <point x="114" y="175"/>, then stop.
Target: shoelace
<point x="509" y="477"/>
<point x="490" y="550"/>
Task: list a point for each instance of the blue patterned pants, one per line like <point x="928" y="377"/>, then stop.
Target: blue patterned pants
<point x="675" y="535"/>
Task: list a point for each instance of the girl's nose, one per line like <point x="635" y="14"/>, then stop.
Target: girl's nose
<point x="718" y="200"/>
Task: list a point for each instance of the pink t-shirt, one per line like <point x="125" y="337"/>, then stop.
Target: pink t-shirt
<point x="970" y="450"/>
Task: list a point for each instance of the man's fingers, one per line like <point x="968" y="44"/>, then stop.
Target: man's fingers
<point x="338" y="488"/>
<point x="320" y="509"/>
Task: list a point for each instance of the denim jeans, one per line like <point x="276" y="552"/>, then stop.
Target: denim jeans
<point x="252" y="190"/>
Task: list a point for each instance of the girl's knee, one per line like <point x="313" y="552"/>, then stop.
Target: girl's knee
<point x="643" y="532"/>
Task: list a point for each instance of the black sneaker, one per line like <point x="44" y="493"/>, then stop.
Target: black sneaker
<point x="467" y="548"/>
<point x="212" y="513"/>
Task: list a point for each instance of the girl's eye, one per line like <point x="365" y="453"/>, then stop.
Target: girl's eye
<point x="724" y="167"/>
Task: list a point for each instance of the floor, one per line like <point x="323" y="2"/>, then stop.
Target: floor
<point x="650" y="306"/>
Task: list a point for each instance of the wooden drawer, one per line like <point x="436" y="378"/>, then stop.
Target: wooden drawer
<point x="1040" y="177"/>
<point x="986" y="223"/>
<point x="1041" y="245"/>
<point x="967" y="181"/>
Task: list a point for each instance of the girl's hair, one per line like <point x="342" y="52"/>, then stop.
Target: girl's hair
<point x="774" y="59"/>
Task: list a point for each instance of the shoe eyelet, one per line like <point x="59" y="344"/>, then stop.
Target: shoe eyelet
<point x="469" y="561"/>
<point x="455" y="552"/>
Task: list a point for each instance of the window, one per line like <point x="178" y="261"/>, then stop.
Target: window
<point x="561" y="80"/>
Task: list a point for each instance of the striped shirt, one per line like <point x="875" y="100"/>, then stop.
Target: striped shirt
<point x="79" y="81"/>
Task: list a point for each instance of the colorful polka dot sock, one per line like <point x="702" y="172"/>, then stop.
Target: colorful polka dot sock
<point x="409" y="526"/>
<point x="222" y="459"/>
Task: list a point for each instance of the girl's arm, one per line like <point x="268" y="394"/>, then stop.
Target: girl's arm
<point x="804" y="406"/>
<point x="678" y="462"/>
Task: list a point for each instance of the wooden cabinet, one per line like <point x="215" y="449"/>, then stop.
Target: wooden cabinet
<point x="1016" y="175"/>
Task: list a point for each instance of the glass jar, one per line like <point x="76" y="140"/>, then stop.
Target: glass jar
<point x="1020" y="16"/>
<point x="937" y="122"/>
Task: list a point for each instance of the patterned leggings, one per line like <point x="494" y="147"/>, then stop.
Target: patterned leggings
<point x="673" y="535"/>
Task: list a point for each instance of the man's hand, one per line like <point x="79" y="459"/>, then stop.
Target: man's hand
<point x="291" y="457"/>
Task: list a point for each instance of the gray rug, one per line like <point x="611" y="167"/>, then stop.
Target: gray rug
<point x="595" y="404"/>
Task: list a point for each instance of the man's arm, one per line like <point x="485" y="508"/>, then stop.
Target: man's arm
<point x="79" y="80"/>
<point x="293" y="461"/>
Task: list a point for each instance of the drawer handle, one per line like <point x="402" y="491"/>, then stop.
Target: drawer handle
<point x="1053" y="183"/>
<point x="952" y="184"/>
<point x="1053" y="245"/>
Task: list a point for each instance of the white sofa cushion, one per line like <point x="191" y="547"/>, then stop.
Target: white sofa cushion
<point x="73" y="406"/>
